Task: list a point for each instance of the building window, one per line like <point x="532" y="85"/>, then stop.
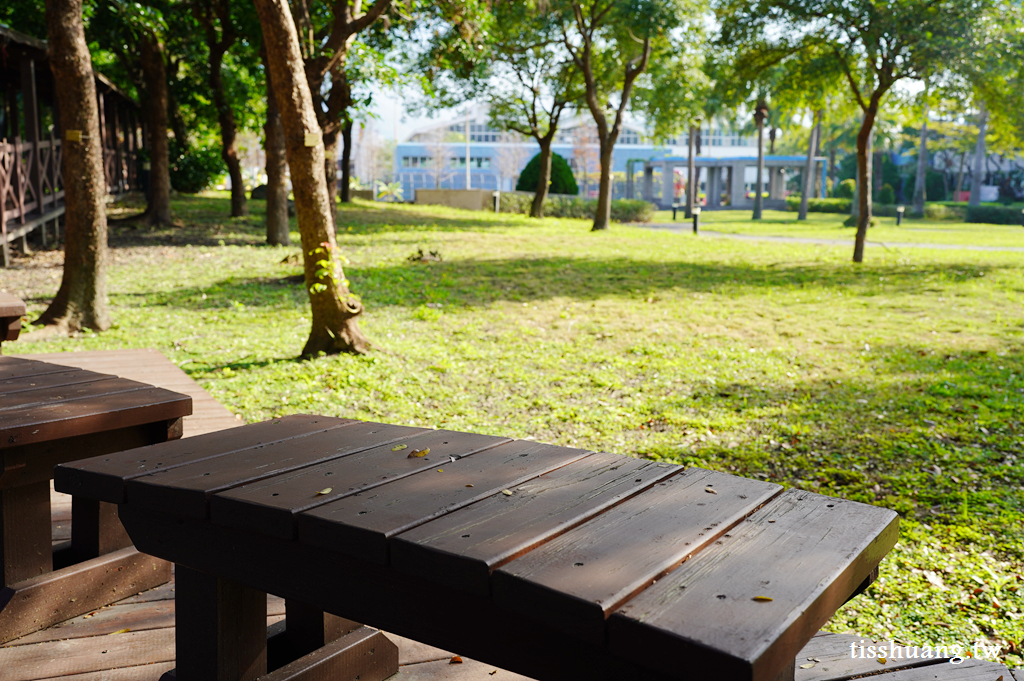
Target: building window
<point x="474" y="162"/>
<point x="415" y="161"/>
<point x="630" y="136"/>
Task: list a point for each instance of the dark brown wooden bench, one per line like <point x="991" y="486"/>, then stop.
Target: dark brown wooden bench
<point x="552" y="562"/>
<point x="12" y="309"/>
<point x="51" y="414"/>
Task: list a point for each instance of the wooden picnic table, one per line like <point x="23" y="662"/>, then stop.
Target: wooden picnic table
<point x="553" y="562"/>
<point x="12" y="309"/>
<point x="52" y="414"/>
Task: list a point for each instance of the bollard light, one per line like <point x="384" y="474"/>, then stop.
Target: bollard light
<point x="899" y="215"/>
<point x="696" y="219"/>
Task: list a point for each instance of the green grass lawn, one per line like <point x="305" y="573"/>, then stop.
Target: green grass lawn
<point x="830" y="226"/>
<point x="899" y="382"/>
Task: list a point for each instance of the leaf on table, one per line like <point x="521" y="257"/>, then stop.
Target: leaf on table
<point x="326" y="490"/>
<point x="808" y="665"/>
<point x="881" y="660"/>
<point x="119" y="631"/>
<point x="710" y="491"/>
<point x="469" y="485"/>
<point x="762" y="599"/>
<point x="507" y="492"/>
<point x="397" y="448"/>
<point x="455" y="660"/>
<point x="418" y="453"/>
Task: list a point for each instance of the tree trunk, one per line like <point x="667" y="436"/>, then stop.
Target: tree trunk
<point x="228" y="132"/>
<point x="151" y="57"/>
<point x="808" y="183"/>
<point x="960" y="178"/>
<point x="277" y="167"/>
<point x="177" y="122"/>
<point x="864" y="144"/>
<point x="978" y="176"/>
<point x="758" y="199"/>
<point x="544" y="181"/>
<point x="920" y="187"/>
<point x="832" y="171"/>
<point x="334" y="328"/>
<point x="603" y="214"/>
<point x="346" y="162"/>
<point x="331" y="172"/>
<point x="81" y="301"/>
<point x="771" y="140"/>
<point x="691" y="172"/>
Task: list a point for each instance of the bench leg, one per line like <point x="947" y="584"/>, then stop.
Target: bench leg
<point x="221" y="628"/>
<point x="25" y="544"/>
<point x="95" y="529"/>
<point x="789" y="673"/>
<point x="307" y="628"/>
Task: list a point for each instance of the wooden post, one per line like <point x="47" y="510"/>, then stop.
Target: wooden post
<point x="308" y="628"/>
<point x="25" y="549"/>
<point x="30" y="104"/>
<point x="220" y="628"/>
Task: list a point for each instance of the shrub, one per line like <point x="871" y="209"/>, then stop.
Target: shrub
<point x="562" y="180"/>
<point x="820" y="205"/>
<point x="994" y="215"/>
<point x="937" y="211"/>
<point x="887" y="195"/>
<point x="561" y="206"/>
<point x="845" y="189"/>
<point x="934" y="185"/>
<point x="194" y="169"/>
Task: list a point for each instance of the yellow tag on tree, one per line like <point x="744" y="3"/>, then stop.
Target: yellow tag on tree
<point x="73" y="135"/>
<point x="312" y="139"/>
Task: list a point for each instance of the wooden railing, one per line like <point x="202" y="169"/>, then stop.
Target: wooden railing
<point x="32" y="185"/>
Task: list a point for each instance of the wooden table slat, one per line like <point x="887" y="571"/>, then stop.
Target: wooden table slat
<point x="188" y="487"/>
<point x="67" y="419"/>
<point x="360" y="525"/>
<point x="98" y="388"/>
<point x="103" y="478"/>
<point x="11" y="305"/>
<point x="70" y="376"/>
<point x="16" y="367"/>
<point x="460" y="549"/>
<point x="575" y="580"/>
<point x="271" y="505"/>
<point x="804" y="551"/>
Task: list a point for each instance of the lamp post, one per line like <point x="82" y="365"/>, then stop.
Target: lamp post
<point x="899" y="215"/>
<point x="696" y="219"/>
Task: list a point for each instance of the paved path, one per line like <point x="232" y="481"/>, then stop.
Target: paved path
<point x="687" y="228"/>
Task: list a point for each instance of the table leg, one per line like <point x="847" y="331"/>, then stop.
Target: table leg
<point x="25" y="542"/>
<point x="95" y="529"/>
<point x="308" y="628"/>
<point x="787" y="674"/>
<point x="221" y="628"/>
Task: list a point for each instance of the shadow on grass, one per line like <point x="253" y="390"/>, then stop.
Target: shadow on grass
<point x="472" y="283"/>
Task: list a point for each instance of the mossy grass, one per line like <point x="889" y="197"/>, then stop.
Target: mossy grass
<point x="899" y="382"/>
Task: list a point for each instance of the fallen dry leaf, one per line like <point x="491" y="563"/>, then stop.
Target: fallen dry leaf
<point x="881" y="660"/>
<point x="397" y="448"/>
<point x="119" y="631"/>
<point x="807" y="666"/>
<point x="507" y="492"/>
<point x="762" y="599"/>
<point x="469" y="485"/>
<point x="710" y="491"/>
<point x="455" y="660"/>
<point x="418" y="453"/>
<point x="326" y="490"/>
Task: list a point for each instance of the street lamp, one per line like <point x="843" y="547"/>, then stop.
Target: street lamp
<point x="899" y="215"/>
<point x="696" y="219"/>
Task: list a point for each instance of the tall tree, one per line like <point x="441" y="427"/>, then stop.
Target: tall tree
<point x="873" y="46"/>
<point x="920" y="188"/>
<point x="335" y="314"/>
<point x="277" y="167"/>
<point x="760" y="115"/>
<point x="532" y="82"/>
<point x="81" y="300"/>
<point x="219" y="30"/>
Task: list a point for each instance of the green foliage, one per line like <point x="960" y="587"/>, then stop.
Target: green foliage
<point x="833" y="205"/>
<point x="938" y="211"/>
<point x="562" y="180"/>
<point x="935" y="185"/>
<point x="195" y="169"/>
<point x="995" y="215"/>
<point x="845" y="189"/>
<point x="886" y="195"/>
<point x="623" y="210"/>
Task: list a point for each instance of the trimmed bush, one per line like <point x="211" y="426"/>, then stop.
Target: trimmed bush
<point x="845" y="189"/>
<point x="937" y="211"/>
<point x="934" y="185"/>
<point x="887" y="195"/>
<point x="994" y="215"/>
<point x="195" y="169"/>
<point x="562" y="180"/>
<point x="561" y="206"/>
<point x="820" y="205"/>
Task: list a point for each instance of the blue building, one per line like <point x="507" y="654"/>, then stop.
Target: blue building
<point x="435" y="156"/>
